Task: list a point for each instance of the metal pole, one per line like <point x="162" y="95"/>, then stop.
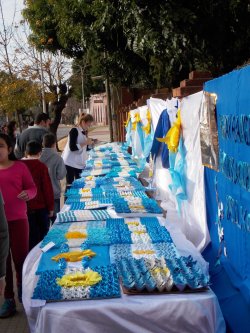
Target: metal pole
<point x="107" y="86"/>
<point x="114" y="112"/>
<point x="83" y="101"/>
<point x="109" y="108"/>
<point x="42" y="79"/>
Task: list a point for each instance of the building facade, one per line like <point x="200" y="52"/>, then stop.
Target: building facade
<point x="98" y="108"/>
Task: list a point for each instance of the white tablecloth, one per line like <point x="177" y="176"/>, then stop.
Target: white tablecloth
<point x="168" y="313"/>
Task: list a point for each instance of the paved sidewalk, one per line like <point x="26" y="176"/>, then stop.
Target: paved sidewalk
<point x="18" y="323"/>
<point x="15" y="324"/>
<point x="100" y="133"/>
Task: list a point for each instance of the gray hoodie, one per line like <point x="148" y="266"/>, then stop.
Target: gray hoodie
<point x="57" y="170"/>
<point x="35" y="133"/>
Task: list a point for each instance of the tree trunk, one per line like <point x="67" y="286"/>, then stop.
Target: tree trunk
<point x="19" y="120"/>
<point x="57" y="108"/>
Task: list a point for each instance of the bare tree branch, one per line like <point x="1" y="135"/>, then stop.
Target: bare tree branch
<point x="5" y="37"/>
<point x="22" y="60"/>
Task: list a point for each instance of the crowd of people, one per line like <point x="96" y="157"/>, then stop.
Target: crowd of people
<point x="30" y="191"/>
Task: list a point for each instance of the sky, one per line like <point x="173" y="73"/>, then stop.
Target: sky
<point x="9" y="9"/>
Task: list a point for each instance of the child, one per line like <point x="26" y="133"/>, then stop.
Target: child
<point x="55" y="164"/>
<point x="40" y="209"/>
<point x="17" y="187"/>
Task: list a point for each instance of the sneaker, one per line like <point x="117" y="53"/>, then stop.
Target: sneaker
<point x="8" y="308"/>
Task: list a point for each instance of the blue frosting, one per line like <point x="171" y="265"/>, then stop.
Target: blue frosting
<point x="103" y="171"/>
<point x="48" y="289"/>
<point x="82" y="205"/>
<point x="119" y="231"/>
<point x="75" y="191"/>
<point x="56" y="235"/>
<point x="46" y="263"/>
<point x="109" y="286"/>
<point x="97" y="234"/>
<point x="70" y="216"/>
<point x="121" y="205"/>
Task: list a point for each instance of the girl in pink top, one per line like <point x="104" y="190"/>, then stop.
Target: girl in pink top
<point x="17" y="187"/>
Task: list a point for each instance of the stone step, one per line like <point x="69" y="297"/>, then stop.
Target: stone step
<point x="167" y="95"/>
<point x="162" y="91"/>
<point x="199" y="75"/>
<point x="185" y="91"/>
<point x="194" y="82"/>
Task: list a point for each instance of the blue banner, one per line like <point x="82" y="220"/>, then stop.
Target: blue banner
<point x="228" y="203"/>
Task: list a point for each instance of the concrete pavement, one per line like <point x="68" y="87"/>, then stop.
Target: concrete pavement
<point x="63" y="130"/>
<point x="100" y="132"/>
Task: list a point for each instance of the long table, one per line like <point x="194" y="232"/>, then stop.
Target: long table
<point x="172" y="313"/>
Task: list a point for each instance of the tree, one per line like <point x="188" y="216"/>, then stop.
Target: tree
<point x="17" y="95"/>
<point x="75" y="31"/>
<point x="154" y="43"/>
<point x="82" y="72"/>
<point x="56" y="70"/>
<point x="25" y="64"/>
<point x="6" y="34"/>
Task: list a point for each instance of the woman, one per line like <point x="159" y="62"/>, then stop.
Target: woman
<point x="75" y="152"/>
<point x="17" y="188"/>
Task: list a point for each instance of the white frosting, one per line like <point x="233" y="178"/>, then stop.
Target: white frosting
<point x="75" y="242"/>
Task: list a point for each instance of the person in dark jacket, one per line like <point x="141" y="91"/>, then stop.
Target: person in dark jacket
<point x="11" y="131"/>
<point x="4" y="243"/>
<point x="55" y="164"/>
<point x="34" y="133"/>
